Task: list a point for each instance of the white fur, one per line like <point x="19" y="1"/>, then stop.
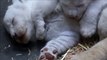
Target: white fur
<point x="20" y="17"/>
<point x="41" y="9"/>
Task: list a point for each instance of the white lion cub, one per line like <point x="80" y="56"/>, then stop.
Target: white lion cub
<point x="87" y="11"/>
<point x="22" y="16"/>
<point x="99" y="50"/>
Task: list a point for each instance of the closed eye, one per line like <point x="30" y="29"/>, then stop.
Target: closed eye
<point x="13" y="22"/>
<point x="80" y="5"/>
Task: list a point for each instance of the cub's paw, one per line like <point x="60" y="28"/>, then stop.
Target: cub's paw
<point x="40" y="33"/>
<point x="87" y="31"/>
<point x="48" y="54"/>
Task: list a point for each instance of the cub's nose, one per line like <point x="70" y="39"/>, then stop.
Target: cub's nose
<point x="20" y="38"/>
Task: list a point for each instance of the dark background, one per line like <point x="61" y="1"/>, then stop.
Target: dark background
<point x="10" y="50"/>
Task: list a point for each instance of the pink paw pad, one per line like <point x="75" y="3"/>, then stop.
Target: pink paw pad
<point x="45" y="55"/>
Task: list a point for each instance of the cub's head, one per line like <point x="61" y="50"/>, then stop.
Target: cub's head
<point x="18" y="23"/>
<point x="74" y="8"/>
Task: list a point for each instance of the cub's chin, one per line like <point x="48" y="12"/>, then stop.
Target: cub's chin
<point x="22" y="39"/>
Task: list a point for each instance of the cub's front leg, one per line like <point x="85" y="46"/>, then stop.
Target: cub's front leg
<point x="102" y="24"/>
<point x="39" y="26"/>
<point x="89" y="22"/>
<point x="97" y="52"/>
<point x="57" y="46"/>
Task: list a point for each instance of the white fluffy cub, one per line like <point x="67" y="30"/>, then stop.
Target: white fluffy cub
<point x="17" y="21"/>
<point x="22" y="16"/>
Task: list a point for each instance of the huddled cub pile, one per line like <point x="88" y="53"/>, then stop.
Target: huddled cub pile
<point x="60" y="23"/>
